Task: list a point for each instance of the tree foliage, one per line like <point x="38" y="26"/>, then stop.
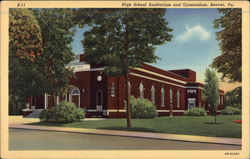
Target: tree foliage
<point x="125" y="38"/>
<point x="234" y="98"/>
<point x="25" y="39"/>
<point x="211" y="90"/>
<point x="57" y="34"/>
<point x="25" y="44"/>
<point x="229" y="63"/>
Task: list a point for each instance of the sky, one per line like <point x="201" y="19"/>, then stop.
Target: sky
<point x="193" y="46"/>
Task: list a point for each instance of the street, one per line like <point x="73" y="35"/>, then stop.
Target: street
<point x="21" y="139"/>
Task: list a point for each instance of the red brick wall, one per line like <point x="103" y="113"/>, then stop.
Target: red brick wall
<point x="191" y="75"/>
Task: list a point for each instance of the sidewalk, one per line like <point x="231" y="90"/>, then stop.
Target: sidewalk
<point x="161" y="136"/>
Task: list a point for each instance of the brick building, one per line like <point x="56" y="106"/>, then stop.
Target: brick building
<point x="171" y="91"/>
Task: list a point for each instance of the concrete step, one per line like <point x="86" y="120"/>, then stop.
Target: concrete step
<point x="34" y="114"/>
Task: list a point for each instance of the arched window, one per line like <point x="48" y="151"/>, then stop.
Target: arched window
<point x="171" y="95"/>
<point x="75" y="96"/>
<point x="153" y="94"/>
<point x="75" y="91"/>
<point x="141" y="87"/>
<point x="129" y="88"/>
<point x="162" y="97"/>
<point x="178" y="98"/>
<point x="112" y="90"/>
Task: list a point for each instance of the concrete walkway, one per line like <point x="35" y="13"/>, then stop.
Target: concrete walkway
<point x="161" y="136"/>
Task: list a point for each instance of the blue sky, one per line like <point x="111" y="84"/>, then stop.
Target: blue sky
<point x="194" y="43"/>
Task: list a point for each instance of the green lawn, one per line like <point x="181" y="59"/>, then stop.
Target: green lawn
<point x="189" y="125"/>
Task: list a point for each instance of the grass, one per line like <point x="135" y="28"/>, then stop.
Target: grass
<point x="189" y="125"/>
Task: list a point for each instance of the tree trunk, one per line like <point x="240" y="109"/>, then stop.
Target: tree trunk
<point x="31" y="103"/>
<point x="128" y="107"/>
<point x="53" y="99"/>
<point x="215" y="116"/>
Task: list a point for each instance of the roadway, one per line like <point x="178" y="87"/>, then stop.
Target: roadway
<point x="23" y="139"/>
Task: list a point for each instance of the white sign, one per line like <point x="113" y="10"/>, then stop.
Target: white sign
<point x="191" y="91"/>
<point x="98" y="108"/>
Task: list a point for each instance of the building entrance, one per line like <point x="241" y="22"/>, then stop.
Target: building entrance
<point x="99" y="100"/>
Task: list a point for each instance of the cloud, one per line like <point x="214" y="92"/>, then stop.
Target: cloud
<point x="196" y="31"/>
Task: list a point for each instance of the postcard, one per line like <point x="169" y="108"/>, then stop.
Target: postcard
<point x="125" y="79"/>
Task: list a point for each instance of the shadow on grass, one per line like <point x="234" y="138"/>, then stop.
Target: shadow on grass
<point x="212" y="123"/>
<point x="128" y="129"/>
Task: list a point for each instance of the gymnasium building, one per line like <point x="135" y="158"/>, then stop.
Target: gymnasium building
<point x="172" y="91"/>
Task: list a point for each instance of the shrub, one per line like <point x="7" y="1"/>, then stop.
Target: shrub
<point x="235" y="105"/>
<point x="64" y="112"/>
<point x="142" y="108"/>
<point x="231" y="111"/>
<point x="195" y="112"/>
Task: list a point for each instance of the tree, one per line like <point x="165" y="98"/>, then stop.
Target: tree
<point x="57" y="34"/>
<point x="233" y="98"/>
<point x="122" y="39"/>
<point x="229" y="63"/>
<point x="25" y="44"/>
<point x="211" y="91"/>
<point x="25" y="34"/>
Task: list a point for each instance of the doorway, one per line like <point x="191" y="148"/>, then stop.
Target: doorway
<point x="99" y="100"/>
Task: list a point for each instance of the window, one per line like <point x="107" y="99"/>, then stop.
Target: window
<point x="221" y="100"/>
<point x="74" y="96"/>
<point x="75" y="91"/>
<point x="129" y="88"/>
<point x="141" y="90"/>
<point x="178" y="98"/>
<point x="112" y="90"/>
<point x="153" y="94"/>
<point x="171" y="95"/>
<point x="162" y="97"/>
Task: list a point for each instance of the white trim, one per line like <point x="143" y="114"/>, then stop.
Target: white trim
<point x="178" y="111"/>
<point x="175" y="111"/>
<point x="122" y="110"/>
<point x="163" y="110"/>
<point x="91" y="110"/>
<point x="115" y="110"/>
<point x="138" y="75"/>
<point x="92" y="69"/>
<point x="194" y="87"/>
<point x="57" y="100"/>
<point x="160" y="75"/>
<point x="45" y="101"/>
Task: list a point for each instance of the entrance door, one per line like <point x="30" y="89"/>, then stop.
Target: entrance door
<point x="75" y="99"/>
<point x="99" y="100"/>
<point x="75" y="96"/>
<point x="191" y="103"/>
